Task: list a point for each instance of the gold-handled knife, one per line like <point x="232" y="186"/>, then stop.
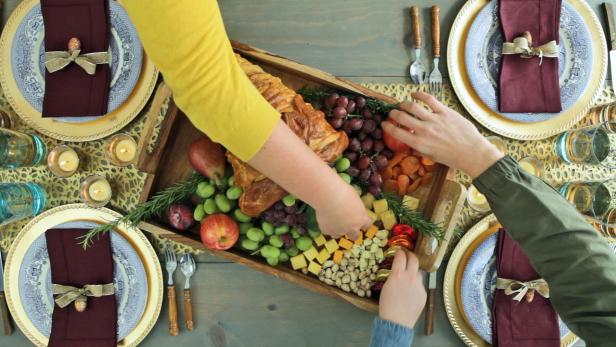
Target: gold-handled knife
<point x="431" y="301"/>
<point x="4" y="310"/>
<point x="611" y="28"/>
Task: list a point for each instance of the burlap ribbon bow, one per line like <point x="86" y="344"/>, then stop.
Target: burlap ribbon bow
<point x="68" y="294"/>
<point x="522" y="289"/>
<point x="58" y="60"/>
<point x="523" y="45"/>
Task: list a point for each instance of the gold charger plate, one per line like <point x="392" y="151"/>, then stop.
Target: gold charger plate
<point x="493" y="121"/>
<point x="81" y="212"/>
<point x="453" y="280"/>
<point x="76" y="132"/>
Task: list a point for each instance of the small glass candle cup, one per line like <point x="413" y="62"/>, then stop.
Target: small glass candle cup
<point x="95" y="191"/>
<point x="499" y="143"/>
<point x="6" y="120"/>
<point x="476" y="200"/>
<point x="121" y="150"/>
<point x="63" y="161"/>
<point x="532" y="165"/>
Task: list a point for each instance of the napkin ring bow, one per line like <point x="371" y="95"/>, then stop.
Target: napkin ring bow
<point x="64" y="295"/>
<point x="523" y="45"/>
<point x="523" y="289"/>
<point x="58" y="60"/>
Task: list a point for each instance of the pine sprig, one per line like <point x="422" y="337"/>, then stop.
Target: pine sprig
<point x="154" y="207"/>
<point x="316" y="95"/>
<point x="413" y="218"/>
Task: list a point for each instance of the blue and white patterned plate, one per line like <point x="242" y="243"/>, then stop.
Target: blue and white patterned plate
<point x="130" y="282"/>
<point x="483" y="59"/>
<point x="28" y="50"/>
<point x="478" y="287"/>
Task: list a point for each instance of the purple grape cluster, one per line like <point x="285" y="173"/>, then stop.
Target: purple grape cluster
<point x="279" y="214"/>
<point x="366" y="151"/>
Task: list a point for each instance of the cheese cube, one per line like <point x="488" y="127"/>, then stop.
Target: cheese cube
<point x="314" y="268"/>
<point x="389" y="219"/>
<point x="338" y="255"/>
<point x="380" y="206"/>
<point x="323" y="256"/>
<point x="371" y="231"/>
<point x="410" y="202"/>
<point x="345" y="243"/>
<point x="298" y="262"/>
<point x="311" y="253"/>
<point x="331" y="245"/>
<point x="320" y="240"/>
<point x="360" y="239"/>
<point x="372" y="215"/>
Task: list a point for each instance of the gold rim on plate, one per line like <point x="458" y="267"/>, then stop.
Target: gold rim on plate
<point x="519" y="130"/>
<point x="77" y="131"/>
<point x="81" y="212"/>
<point x="453" y="279"/>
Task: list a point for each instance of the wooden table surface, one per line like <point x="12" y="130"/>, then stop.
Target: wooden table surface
<point x="365" y="41"/>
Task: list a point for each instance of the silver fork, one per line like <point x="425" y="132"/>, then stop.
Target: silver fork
<point x="188" y="267"/>
<point x="171" y="264"/>
<point x="436" y="79"/>
<point x="417" y="70"/>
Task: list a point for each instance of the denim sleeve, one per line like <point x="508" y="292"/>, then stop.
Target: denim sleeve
<point x="389" y="334"/>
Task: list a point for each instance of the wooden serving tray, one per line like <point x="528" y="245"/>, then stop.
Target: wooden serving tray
<point x="168" y="163"/>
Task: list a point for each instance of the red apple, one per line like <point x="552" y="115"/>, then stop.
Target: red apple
<point x="219" y="231"/>
<point x="391" y="142"/>
<point x="208" y="158"/>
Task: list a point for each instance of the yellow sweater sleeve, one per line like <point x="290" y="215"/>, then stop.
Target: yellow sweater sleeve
<point x="187" y="41"/>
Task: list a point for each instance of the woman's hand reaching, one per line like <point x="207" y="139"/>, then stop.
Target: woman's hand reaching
<point x="443" y="135"/>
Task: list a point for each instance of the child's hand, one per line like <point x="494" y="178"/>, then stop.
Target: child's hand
<point x="443" y="135"/>
<point x="346" y="215"/>
<point x="403" y="296"/>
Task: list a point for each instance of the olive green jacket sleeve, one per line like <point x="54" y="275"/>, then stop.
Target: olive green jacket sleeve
<point x="566" y="251"/>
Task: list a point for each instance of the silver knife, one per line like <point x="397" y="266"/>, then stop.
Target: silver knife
<point x="4" y="310"/>
<point x="611" y="28"/>
<point x="429" y="327"/>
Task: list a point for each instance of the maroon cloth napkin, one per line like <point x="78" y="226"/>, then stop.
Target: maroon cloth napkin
<point x="520" y="324"/>
<point x="71" y="265"/>
<point x="526" y="86"/>
<point x="71" y="91"/>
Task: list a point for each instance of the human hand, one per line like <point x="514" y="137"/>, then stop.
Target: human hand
<point x="343" y="215"/>
<point x="403" y="296"/>
<point x="443" y="135"/>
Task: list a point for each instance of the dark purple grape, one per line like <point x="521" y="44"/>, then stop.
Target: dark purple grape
<point x="380" y="161"/>
<point x="388" y="153"/>
<point x="269" y="218"/>
<point x="378" y="146"/>
<point x="290" y="209"/>
<point x="354" y="144"/>
<point x="336" y="123"/>
<point x="374" y="190"/>
<point x="350" y="107"/>
<point x="342" y="101"/>
<point x="330" y="100"/>
<point x="365" y="174"/>
<point x="367" y="144"/>
<point x="367" y="114"/>
<point x="301" y="219"/>
<point x="356" y="123"/>
<point x="346" y="127"/>
<point x="378" y="118"/>
<point x="369" y="126"/>
<point x="350" y="155"/>
<point x="290" y="219"/>
<point x="353" y="171"/>
<point x="362" y="136"/>
<point x="279" y="215"/>
<point x="363" y="162"/>
<point x="377" y="134"/>
<point x="360" y="101"/>
<point x="279" y="206"/>
<point x="287" y="240"/>
<point x="339" y="112"/>
<point x="301" y="230"/>
<point x="376" y="179"/>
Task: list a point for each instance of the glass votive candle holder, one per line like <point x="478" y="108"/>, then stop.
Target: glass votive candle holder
<point x="476" y="200"/>
<point x="6" y="120"/>
<point x="63" y="161"/>
<point x="95" y="191"/>
<point x="499" y="143"/>
<point x="532" y="165"/>
<point x="121" y="150"/>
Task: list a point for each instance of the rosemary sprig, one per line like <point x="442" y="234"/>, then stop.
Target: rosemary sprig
<point x="154" y="207"/>
<point x="413" y="218"/>
<point x="315" y="96"/>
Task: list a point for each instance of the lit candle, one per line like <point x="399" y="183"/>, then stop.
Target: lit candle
<point x="122" y="149"/>
<point x="63" y="161"/>
<point x="532" y="165"/>
<point x="476" y="200"/>
<point x="100" y="190"/>
<point x="68" y="161"/>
